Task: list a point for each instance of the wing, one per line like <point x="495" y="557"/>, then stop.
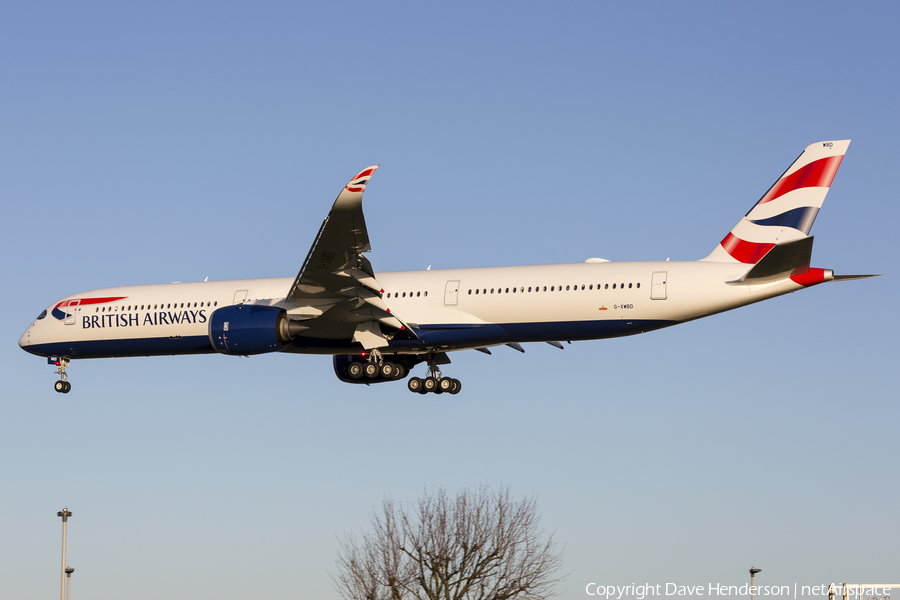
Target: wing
<point x="336" y="291"/>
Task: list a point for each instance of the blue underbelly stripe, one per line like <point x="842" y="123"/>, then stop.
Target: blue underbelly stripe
<point x="430" y="336"/>
<point x="197" y="344"/>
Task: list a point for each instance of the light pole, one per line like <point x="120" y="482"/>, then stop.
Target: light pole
<point x="69" y="571"/>
<point x="65" y="514"/>
<point x="753" y="572"/>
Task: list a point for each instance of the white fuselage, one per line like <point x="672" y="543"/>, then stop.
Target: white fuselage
<point x="579" y="301"/>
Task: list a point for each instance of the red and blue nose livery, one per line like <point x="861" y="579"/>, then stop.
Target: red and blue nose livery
<point x="71" y="306"/>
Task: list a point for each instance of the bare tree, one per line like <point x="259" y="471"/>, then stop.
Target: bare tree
<point x="480" y="545"/>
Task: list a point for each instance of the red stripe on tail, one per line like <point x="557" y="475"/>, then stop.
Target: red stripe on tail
<point x="746" y="252"/>
<point x="819" y="173"/>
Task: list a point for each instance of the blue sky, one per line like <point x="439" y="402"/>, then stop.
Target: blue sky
<point x="170" y="142"/>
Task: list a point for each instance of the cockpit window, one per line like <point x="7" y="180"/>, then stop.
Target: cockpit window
<point x="42" y="315"/>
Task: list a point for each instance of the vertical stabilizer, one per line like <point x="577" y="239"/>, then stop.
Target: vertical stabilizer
<point x="787" y="210"/>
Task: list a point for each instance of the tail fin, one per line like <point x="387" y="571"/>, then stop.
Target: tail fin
<point x="787" y="210"/>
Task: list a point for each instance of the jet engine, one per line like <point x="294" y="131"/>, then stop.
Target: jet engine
<point x="245" y="329"/>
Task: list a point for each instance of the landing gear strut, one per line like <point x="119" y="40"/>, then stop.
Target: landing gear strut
<point x="434" y="382"/>
<point x="62" y="386"/>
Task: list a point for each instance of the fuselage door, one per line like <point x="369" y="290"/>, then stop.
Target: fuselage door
<point x="71" y="310"/>
<point x="658" y="285"/>
<point x="451" y="293"/>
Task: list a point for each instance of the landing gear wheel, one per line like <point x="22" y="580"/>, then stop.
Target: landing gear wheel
<point x="388" y="370"/>
<point x="62" y="386"/>
<point x="456" y="387"/>
<point x="414" y="384"/>
<point x="430" y="384"/>
<point x="400" y="372"/>
<point x="445" y="384"/>
<point x="355" y="370"/>
<point x="371" y="370"/>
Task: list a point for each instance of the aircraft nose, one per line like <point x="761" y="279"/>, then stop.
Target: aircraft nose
<point x="25" y="340"/>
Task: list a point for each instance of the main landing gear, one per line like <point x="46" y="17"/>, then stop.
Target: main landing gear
<point x="435" y="382"/>
<point x="376" y="368"/>
<point x="62" y="386"/>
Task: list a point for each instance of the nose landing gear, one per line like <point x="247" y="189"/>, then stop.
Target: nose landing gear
<point x="62" y="386"/>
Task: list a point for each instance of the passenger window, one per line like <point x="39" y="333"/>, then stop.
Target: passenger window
<point x="639" y="285"/>
<point x="614" y="286"/>
<point x="507" y="290"/>
<point x="629" y="286"/>
<point x="418" y="294"/>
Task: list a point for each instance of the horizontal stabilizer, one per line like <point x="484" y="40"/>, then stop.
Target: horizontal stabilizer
<point x="782" y="260"/>
<point x="852" y="277"/>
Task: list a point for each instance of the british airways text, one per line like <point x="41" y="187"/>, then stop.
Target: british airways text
<point x="149" y="318"/>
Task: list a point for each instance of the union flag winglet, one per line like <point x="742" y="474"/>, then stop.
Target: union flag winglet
<point x="358" y="183"/>
<point x="351" y="195"/>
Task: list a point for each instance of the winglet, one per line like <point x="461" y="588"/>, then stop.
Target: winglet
<point x="351" y="195"/>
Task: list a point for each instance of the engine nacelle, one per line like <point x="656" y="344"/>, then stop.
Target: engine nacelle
<point x="244" y="329"/>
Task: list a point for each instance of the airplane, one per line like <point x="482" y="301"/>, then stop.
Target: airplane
<point x="378" y="326"/>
